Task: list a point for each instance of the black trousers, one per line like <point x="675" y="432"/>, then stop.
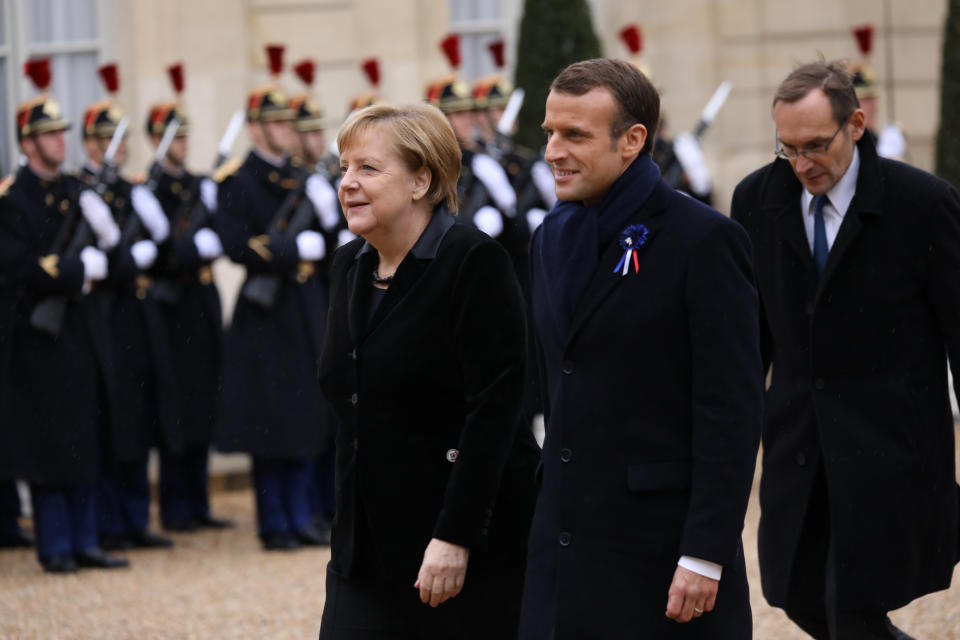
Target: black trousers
<point x="488" y="608"/>
<point x="812" y="601"/>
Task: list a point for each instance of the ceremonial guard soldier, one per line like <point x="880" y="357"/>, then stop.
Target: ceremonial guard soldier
<point x="190" y="305"/>
<point x="144" y="410"/>
<point x="310" y="153"/>
<point x="530" y="176"/>
<point x="271" y="399"/>
<point x="53" y="236"/>
<point x="486" y="198"/>
<point x="890" y="140"/>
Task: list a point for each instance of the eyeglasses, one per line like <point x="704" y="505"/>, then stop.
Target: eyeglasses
<point x="793" y="154"/>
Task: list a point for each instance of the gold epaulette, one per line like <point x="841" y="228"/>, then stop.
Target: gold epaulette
<point x="6" y="183"/>
<point x="227" y="169"/>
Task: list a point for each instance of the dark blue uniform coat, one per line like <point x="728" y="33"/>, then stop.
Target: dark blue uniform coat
<point x="271" y="400"/>
<point x="859" y="381"/>
<point x="652" y="424"/>
<point x="53" y="387"/>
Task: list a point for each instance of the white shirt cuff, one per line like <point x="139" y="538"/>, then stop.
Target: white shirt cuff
<point x="705" y="568"/>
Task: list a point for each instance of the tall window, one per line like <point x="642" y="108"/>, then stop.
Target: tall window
<point x="479" y="22"/>
<point x="69" y="33"/>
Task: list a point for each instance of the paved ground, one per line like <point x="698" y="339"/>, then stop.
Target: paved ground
<point x="221" y="585"/>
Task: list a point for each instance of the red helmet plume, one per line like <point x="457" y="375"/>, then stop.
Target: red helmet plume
<point x="864" y="36"/>
<point x="39" y="72"/>
<point x="496" y="50"/>
<point x="371" y="68"/>
<point x="305" y="70"/>
<point x="175" y="71"/>
<point x="633" y="38"/>
<point x="111" y="77"/>
<point x="275" y="58"/>
<point x="451" y="49"/>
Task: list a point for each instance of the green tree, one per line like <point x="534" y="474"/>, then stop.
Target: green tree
<point x="553" y="34"/>
<point x="948" y="139"/>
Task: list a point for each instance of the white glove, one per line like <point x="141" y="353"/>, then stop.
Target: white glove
<point x="144" y="254"/>
<point x="345" y="236"/>
<point x="97" y="214"/>
<point x="150" y="212"/>
<point x="208" y="194"/>
<point x="543" y="179"/>
<point x="94" y="264"/>
<point x="694" y="164"/>
<point x="208" y="244"/>
<point x="324" y="200"/>
<point x="891" y="143"/>
<point x="489" y="220"/>
<point x="495" y="179"/>
<point x="535" y="218"/>
<point x="310" y="245"/>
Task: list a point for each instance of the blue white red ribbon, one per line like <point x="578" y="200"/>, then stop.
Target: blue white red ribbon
<point x="631" y="239"/>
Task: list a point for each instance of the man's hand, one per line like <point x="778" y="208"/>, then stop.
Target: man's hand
<point x="442" y="573"/>
<point x="688" y="593"/>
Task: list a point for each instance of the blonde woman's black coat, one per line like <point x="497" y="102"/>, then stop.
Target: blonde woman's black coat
<point x="427" y="395"/>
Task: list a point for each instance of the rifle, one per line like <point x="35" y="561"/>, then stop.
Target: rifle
<point x="47" y="315"/>
<point x="168" y="290"/>
<point x="296" y="214"/>
<point x="671" y="168"/>
<point x="134" y="225"/>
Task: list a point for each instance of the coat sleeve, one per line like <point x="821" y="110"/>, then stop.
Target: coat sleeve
<point x="743" y="212"/>
<point x="490" y="344"/>
<point x="943" y="273"/>
<point x="726" y="394"/>
<point x="22" y="266"/>
<point x="242" y="241"/>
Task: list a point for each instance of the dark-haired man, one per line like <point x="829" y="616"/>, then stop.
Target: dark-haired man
<point x="857" y="262"/>
<point x="646" y="317"/>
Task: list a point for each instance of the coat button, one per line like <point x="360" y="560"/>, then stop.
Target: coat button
<point x="354" y="399"/>
<point x="819" y="384"/>
<point x="567" y="367"/>
<point x="808" y="308"/>
<point x="353" y="354"/>
<point x="801" y="459"/>
<point x="565" y="539"/>
<point x="356" y="443"/>
<point x="566" y="455"/>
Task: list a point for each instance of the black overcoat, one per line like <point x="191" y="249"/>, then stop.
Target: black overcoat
<point x="272" y="405"/>
<point x="653" y="408"/>
<point x="192" y="318"/>
<point x="429" y="443"/>
<point x="143" y="403"/>
<point x="53" y="387"/>
<point x="859" y="380"/>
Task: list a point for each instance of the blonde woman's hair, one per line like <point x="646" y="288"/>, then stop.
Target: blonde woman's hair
<point x="421" y="135"/>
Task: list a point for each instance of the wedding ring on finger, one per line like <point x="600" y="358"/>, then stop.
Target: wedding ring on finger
<point x="697" y="611"/>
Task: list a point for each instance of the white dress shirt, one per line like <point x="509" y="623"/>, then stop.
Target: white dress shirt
<point x="839" y="201"/>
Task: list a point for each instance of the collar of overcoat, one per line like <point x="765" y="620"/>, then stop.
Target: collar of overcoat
<point x="604" y="280"/>
<point x="406" y="278"/>
<point x="781" y="198"/>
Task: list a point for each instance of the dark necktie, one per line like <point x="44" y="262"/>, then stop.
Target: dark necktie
<point x="819" y="234"/>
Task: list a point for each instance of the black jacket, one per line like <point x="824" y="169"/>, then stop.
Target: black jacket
<point x="860" y="378"/>
<point x="272" y="405"/>
<point x="143" y="403"/>
<point x="427" y="397"/>
<point x="192" y="315"/>
<point x="53" y="389"/>
<point x="653" y="406"/>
